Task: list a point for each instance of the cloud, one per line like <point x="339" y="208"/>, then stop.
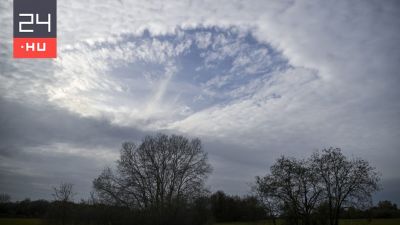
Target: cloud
<point x="41" y="146"/>
<point x="253" y="80"/>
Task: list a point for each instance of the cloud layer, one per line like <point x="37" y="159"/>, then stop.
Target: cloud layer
<point x="253" y="80"/>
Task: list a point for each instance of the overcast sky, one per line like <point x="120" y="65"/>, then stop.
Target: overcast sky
<point x="253" y="79"/>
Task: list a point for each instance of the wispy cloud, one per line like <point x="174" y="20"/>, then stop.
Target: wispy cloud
<point x="252" y="79"/>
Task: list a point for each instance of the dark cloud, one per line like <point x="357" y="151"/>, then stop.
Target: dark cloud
<point x="35" y="125"/>
<point x="25" y="171"/>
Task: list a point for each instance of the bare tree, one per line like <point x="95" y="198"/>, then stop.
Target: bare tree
<point x="345" y="181"/>
<point x="160" y="172"/>
<point x="272" y="204"/>
<point x="4" y="198"/>
<point x="64" y="192"/>
<point x="292" y="184"/>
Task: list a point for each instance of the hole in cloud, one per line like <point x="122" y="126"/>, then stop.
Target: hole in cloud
<point x="152" y="81"/>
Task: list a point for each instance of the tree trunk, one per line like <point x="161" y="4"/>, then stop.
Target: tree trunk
<point x="337" y="215"/>
<point x="63" y="214"/>
<point x="306" y="219"/>
<point x="331" y="217"/>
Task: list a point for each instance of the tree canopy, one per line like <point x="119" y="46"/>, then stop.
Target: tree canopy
<point x="160" y="174"/>
<point x="328" y="177"/>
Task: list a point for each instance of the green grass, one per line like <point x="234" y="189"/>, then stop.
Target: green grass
<point x="267" y="222"/>
<point x="19" y="221"/>
<point x="342" y="222"/>
<point x="373" y="222"/>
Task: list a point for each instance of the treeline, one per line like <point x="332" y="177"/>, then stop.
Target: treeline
<point x="57" y="212"/>
<point x="383" y="210"/>
<point x="218" y="207"/>
<point x="25" y="209"/>
<point x="226" y="208"/>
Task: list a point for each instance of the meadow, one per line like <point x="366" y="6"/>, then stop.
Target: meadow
<point x="342" y="222"/>
<point x="19" y="221"/>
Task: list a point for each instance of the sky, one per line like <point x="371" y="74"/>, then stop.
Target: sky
<point x="254" y="80"/>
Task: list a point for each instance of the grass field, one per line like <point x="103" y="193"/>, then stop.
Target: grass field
<point x="7" y="221"/>
<point x="373" y="222"/>
<point x="342" y="222"/>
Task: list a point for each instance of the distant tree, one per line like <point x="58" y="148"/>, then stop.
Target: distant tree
<point x="346" y="182"/>
<point x="272" y="204"/>
<point x="292" y="184"/>
<point x="4" y="198"/>
<point x="223" y="207"/>
<point x="63" y="194"/>
<point x="24" y="208"/>
<point x="387" y="205"/>
<point x="385" y="209"/>
<point x="226" y="208"/>
<point x="159" y="175"/>
<point x="251" y="209"/>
